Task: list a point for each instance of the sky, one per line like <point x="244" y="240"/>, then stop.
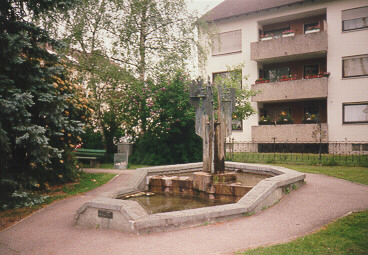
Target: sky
<point x="202" y="6"/>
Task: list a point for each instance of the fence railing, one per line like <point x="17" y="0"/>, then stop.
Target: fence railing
<point x="327" y="153"/>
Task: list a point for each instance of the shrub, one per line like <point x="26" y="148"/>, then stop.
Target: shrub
<point x="170" y="138"/>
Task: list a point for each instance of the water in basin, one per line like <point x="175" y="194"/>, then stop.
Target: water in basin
<point x="168" y="202"/>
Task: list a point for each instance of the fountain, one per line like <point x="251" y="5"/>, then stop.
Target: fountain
<point x="224" y="185"/>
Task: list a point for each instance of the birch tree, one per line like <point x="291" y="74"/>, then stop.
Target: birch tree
<point x="153" y="36"/>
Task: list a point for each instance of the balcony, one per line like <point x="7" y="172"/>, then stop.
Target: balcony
<point x="288" y="133"/>
<point x="291" y="90"/>
<point x="290" y="48"/>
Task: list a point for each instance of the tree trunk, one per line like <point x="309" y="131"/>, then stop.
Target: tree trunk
<point x="142" y="45"/>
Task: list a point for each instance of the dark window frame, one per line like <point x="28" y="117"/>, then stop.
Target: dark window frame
<point x="352" y="122"/>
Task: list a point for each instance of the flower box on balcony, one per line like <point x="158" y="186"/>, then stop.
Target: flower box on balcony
<point x="285" y="122"/>
<point x="266" y="120"/>
<point x="319" y="75"/>
<point x="288" y="35"/>
<point x="264" y="123"/>
<point x="310" y="118"/>
<point x="285" y="119"/>
<point x="314" y="76"/>
<point x="311" y="121"/>
<point x="262" y="81"/>
<point x="287" y="79"/>
<point x="312" y="31"/>
<point x="266" y="38"/>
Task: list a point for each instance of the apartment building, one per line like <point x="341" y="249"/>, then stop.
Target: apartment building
<point x="309" y="62"/>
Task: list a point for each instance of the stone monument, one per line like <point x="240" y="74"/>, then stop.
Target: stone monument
<point x="122" y="157"/>
<point x="213" y="125"/>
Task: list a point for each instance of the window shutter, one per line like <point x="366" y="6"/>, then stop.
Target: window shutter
<point x="228" y="42"/>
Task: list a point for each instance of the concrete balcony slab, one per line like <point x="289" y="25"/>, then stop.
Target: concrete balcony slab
<point x="291" y="90"/>
<point x="288" y="133"/>
<point x="290" y="48"/>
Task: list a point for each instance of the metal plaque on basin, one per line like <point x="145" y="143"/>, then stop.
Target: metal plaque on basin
<point x="105" y="214"/>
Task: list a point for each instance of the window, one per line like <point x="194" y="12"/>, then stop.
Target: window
<point x="237" y="123"/>
<point x="229" y="42"/>
<point x="359" y="147"/>
<point x="355" y="18"/>
<point x="272" y="74"/>
<point x="311" y="70"/>
<point x="355" y="66"/>
<point x="355" y="113"/>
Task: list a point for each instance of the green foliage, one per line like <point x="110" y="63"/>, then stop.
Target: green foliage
<point x="329" y="162"/>
<point x="35" y="200"/>
<point x="146" y="39"/>
<point x="84" y="30"/>
<point x="92" y="139"/>
<point x="39" y="107"/>
<point x="266" y="120"/>
<point x="287" y="190"/>
<point x="285" y="119"/>
<point x="154" y="37"/>
<point x="19" y="199"/>
<point x="169" y="135"/>
<point x="233" y="78"/>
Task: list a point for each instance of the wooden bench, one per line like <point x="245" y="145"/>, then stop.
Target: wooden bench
<point x="90" y="154"/>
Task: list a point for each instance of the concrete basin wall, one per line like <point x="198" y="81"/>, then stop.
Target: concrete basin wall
<point x="128" y="216"/>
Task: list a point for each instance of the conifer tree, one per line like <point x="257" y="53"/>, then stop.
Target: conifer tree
<point x="39" y="108"/>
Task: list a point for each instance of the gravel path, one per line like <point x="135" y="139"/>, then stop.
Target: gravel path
<point x="51" y="230"/>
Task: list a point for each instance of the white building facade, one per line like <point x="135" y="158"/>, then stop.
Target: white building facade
<point x="309" y="62"/>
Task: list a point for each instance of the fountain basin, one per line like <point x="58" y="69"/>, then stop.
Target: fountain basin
<point x="169" y="202"/>
<point x="107" y="212"/>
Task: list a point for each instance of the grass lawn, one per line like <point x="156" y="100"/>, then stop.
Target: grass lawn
<point x="300" y="158"/>
<point x="354" y="174"/>
<point x="348" y="235"/>
<point x="88" y="181"/>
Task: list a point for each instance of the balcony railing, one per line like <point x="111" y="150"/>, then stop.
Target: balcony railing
<point x="285" y="47"/>
<point x="291" y="90"/>
<point x="289" y="133"/>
